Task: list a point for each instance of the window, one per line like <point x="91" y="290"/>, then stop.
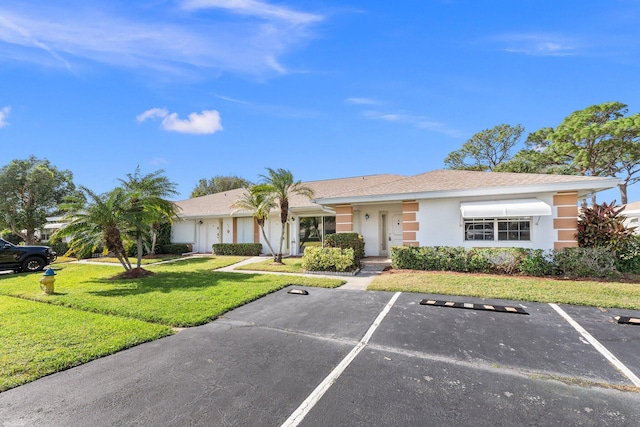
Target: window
<point x="478" y="229"/>
<point x="514" y="229"/>
<point x="313" y="229"/>
<point x="508" y="229"/>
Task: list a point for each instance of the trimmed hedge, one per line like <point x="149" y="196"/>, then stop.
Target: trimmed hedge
<point x="241" y="249"/>
<point x="328" y="259"/>
<point x="568" y="262"/>
<point x="173" y="249"/>
<point x="345" y="241"/>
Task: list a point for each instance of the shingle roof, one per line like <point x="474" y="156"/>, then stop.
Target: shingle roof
<point x="388" y="184"/>
<point x="219" y="204"/>
<point x="449" y="180"/>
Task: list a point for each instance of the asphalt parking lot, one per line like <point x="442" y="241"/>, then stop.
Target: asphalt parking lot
<point x="339" y="357"/>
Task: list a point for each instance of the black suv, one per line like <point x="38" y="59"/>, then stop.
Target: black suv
<point x="24" y="258"/>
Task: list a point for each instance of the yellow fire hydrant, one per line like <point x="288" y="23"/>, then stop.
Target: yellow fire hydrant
<point x="47" y="281"/>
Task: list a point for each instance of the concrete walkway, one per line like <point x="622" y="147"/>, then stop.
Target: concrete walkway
<point x="371" y="267"/>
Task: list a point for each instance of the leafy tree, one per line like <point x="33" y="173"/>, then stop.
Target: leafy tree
<point x="146" y="207"/>
<point x="280" y="185"/>
<point x="625" y="157"/>
<point x="95" y="221"/>
<point x="260" y="205"/>
<point x="30" y="190"/>
<point x="583" y="140"/>
<point x="486" y="149"/>
<point x="218" y="184"/>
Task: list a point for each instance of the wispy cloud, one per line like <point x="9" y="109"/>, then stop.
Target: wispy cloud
<point x="159" y="161"/>
<point x="536" y="44"/>
<point x="207" y="122"/>
<point x="4" y="113"/>
<point x="256" y="8"/>
<point x="251" y="39"/>
<point x="361" y="101"/>
<point x="421" y="122"/>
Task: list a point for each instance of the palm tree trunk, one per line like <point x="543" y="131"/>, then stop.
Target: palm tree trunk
<point x="139" y="239"/>
<point x="264" y="235"/>
<point x="278" y="257"/>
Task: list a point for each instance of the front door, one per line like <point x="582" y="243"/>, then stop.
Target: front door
<point x="396" y="229"/>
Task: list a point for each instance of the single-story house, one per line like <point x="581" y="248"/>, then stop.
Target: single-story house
<point x="438" y="208"/>
<point x="632" y="213"/>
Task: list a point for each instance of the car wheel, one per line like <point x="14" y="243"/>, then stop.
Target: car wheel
<point x="32" y="264"/>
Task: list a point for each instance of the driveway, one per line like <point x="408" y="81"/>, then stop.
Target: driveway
<point x="340" y="357"/>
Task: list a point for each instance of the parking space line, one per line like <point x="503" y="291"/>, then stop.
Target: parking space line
<point x="298" y="415"/>
<point x="602" y="349"/>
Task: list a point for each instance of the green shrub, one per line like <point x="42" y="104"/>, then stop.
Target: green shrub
<point x="537" y="263"/>
<point x="328" y="259"/>
<point x="345" y="241"/>
<point x="569" y="262"/>
<point x="628" y="256"/>
<point x="59" y="248"/>
<point x="239" y="249"/>
<point x="11" y="237"/>
<point x="173" y="249"/>
<point x="585" y="262"/>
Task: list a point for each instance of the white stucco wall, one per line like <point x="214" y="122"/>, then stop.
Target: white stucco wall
<point x="441" y="224"/>
<point x="370" y="229"/>
<point x="183" y="232"/>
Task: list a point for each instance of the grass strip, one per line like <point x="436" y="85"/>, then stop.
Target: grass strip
<point x="40" y="339"/>
<point x="518" y="288"/>
<point x="290" y="265"/>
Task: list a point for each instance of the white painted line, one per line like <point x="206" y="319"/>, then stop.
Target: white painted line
<point x="298" y="415"/>
<point x="602" y="349"/>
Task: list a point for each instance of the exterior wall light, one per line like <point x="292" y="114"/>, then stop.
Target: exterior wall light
<point x="366" y="216"/>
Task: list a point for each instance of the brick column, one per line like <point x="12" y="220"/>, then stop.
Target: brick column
<point x="344" y="219"/>
<point x="256" y="231"/>
<point x="235" y="230"/>
<point x="410" y="224"/>
<point x="566" y="220"/>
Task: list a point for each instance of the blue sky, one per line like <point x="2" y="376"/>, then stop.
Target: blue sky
<point x="325" y="89"/>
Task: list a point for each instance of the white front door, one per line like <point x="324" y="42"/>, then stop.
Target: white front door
<point x="395" y="228"/>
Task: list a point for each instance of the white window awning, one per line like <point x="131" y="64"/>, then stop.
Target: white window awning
<point x="505" y="208"/>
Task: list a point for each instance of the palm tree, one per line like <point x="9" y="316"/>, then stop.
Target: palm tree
<point x="280" y="185"/>
<point x="97" y="222"/>
<point x="260" y="205"/>
<point x="147" y="205"/>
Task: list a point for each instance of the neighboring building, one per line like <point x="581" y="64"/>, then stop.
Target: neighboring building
<point x="438" y="208"/>
<point x="632" y="212"/>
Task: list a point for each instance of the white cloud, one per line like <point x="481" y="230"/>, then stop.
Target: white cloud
<point x="421" y="122"/>
<point x="159" y="161"/>
<point x="207" y="122"/>
<point x="536" y="44"/>
<point x="193" y="42"/>
<point x="4" y="113"/>
<point x="152" y="113"/>
<point x="256" y="8"/>
<point x="361" y="101"/>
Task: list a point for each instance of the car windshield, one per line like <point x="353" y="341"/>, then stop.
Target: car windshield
<point x="4" y="243"/>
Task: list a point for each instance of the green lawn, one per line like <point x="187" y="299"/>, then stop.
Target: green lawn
<point x="39" y="339"/>
<point x="519" y="288"/>
<point x="291" y="265"/>
<point x="92" y="314"/>
<point x="184" y="293"/>
<point x="134" y="260"/>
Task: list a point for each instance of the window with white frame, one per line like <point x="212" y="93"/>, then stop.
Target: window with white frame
<point x="502" y="229"/>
